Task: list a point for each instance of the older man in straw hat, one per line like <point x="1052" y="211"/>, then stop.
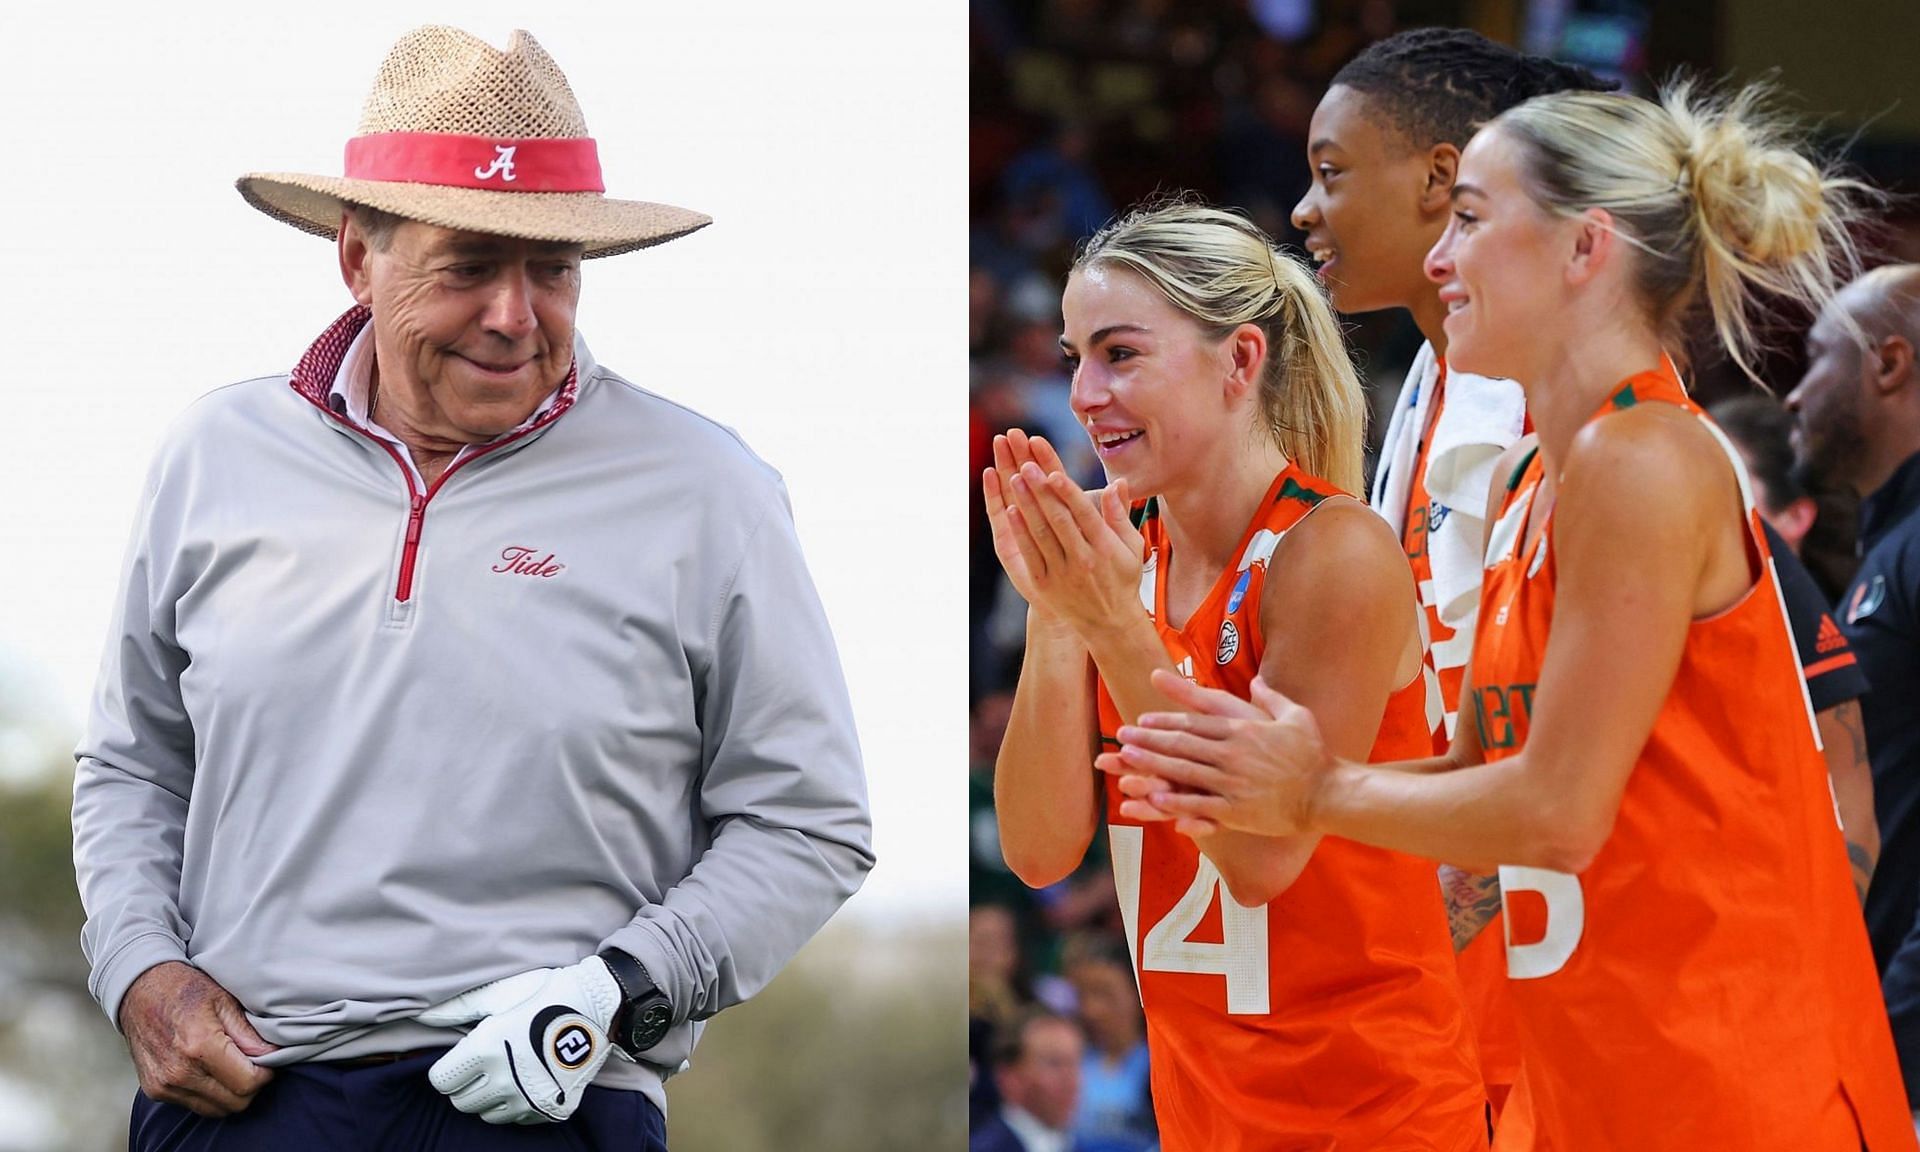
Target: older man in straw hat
<point x="457" y="685"/>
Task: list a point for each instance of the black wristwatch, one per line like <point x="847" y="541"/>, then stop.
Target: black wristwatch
<point x="646" y="1013"/>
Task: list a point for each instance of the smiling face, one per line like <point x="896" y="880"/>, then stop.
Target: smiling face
<point x="471" y="331"/>
<point x="1148" y="383"/>
<point x="1500" y="265"/>
<point x="1368" y="216"/>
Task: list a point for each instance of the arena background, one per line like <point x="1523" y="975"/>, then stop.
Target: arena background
<point x="826" y="140"/>
<point x="1082" y="107"/>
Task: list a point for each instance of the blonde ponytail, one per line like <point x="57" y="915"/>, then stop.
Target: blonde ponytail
<point x="1714" y="193"/>
<point x="1311" y="396"/>
<point x="1222" y="270"/>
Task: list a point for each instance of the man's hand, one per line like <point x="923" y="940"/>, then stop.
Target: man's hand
<point x="541" y="1037"/>
<point x="191" y="1042"/>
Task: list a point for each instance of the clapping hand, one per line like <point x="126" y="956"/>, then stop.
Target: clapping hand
<point x="1071" y="554"/>
<point x="1223" y="762"/>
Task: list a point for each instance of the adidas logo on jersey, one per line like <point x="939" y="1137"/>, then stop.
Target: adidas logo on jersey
<point x="1829" y="637"/>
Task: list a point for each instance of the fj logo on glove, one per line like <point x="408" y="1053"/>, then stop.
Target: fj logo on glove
<point x="573" y="1046"/>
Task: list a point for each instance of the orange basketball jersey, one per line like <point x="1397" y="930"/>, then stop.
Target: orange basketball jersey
<point x="1482" y="964"/>
<point x="1331" y="1018"/>
<point x="1706" y="981"/>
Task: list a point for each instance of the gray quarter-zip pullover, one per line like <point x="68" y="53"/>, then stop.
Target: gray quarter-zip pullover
<point x="358" y="746"/>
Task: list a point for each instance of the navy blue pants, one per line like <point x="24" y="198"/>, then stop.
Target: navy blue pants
<point x="322" y="1107"/>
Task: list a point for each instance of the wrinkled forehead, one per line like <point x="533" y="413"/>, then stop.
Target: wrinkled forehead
<point x="460" y="242"/>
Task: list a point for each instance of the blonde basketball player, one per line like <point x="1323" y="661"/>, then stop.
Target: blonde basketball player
<point x="1299" y="992"/>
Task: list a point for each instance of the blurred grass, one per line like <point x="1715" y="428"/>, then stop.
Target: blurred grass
<point x="859" y="1046"/>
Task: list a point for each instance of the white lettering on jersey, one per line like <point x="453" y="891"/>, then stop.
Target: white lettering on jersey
<point x="1566" y="920"/>
<point x="1241" y="955"/>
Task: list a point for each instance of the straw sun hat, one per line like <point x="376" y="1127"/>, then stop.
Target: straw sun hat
<point x="460" y="134"/>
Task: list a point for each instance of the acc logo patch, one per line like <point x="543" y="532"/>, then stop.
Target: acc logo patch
<point x="1229" y="644"/>
<point x="1867" y="599"/>
<point x="1239" y="590"/>
<point x="573" y="1046"/>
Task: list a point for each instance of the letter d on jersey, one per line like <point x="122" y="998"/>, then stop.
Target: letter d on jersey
<point x="1566" y="920"/>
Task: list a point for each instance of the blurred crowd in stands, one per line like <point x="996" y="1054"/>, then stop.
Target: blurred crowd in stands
<point x="1081" y="108"/>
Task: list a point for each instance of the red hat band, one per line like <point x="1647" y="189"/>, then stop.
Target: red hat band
<point x="570" y="164"/>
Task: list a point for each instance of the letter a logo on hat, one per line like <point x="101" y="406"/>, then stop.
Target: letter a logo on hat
<point x="502" y="163"/>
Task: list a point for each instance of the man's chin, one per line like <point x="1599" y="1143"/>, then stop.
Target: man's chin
<point x="479" y="431"/>
<point x="499" y="408"/>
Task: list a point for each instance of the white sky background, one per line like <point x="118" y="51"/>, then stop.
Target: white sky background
<point x="819" y="314"/>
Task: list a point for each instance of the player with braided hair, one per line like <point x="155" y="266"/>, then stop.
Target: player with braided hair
<point x="1385" y="145"/>
<point x="1436" y="85"/>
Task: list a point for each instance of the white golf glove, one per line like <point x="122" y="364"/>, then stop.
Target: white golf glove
<point x="540" y="1038"/>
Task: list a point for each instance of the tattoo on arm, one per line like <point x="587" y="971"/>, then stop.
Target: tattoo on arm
<point x="1472" y="900"/>
<point x="1855" y="725"/>
<point x="1858" y="854"/>
<point x="1862" y="868"/>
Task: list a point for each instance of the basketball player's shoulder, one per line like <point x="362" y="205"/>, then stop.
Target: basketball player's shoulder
<point x="1656" y="478"/>
<point x="1651" y="452"/>
<point x="1343" y="553"/>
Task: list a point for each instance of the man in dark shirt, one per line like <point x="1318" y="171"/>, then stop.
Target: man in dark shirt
<point x="1761" y="427"/>
<point x="1858" y="425"/>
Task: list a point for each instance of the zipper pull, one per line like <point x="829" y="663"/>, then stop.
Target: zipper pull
<point x="414" y="518"/>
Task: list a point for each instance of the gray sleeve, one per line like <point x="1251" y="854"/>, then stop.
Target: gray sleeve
<point x="783" y="794"/>
<point x="130" y="787"/>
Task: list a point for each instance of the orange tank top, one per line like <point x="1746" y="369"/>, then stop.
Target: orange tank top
<point x="1483" y="963"/>
<point x="1706" y="981"/>
<point x="1331" y="1018"/>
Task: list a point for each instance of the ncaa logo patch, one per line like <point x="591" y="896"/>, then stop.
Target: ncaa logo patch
<point x="573" y="1046"/>
<point x="1867" y="599"/>
<point x="1239" y="591"/>
<point x="1229" y="644"/>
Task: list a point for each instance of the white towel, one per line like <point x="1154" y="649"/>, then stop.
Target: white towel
<point x="1481" y="418"/>
<point x="1394" y="480"/>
